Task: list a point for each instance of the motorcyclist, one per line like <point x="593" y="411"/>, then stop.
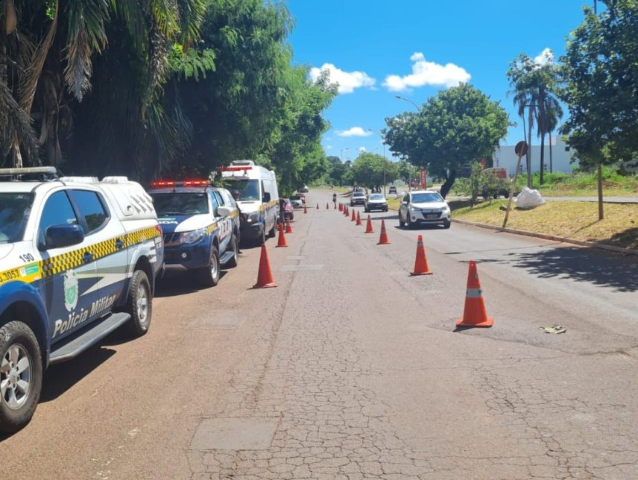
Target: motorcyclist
<point x="334" y="198"/>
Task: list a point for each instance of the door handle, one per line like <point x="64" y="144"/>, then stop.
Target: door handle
<point x="88" y="256"/>
<point x="119" y="243"/>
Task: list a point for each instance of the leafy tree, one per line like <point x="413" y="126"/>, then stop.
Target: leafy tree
<point x="336" y="170"/>
<point x="600" y="70"/>
<point x="457" y="126"/>
<point x="370" y="170"/>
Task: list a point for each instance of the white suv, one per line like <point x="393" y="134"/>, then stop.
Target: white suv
<point x="424" y="207"/>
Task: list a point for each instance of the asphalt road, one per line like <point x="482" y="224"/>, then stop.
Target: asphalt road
<point x="351" y="369"/>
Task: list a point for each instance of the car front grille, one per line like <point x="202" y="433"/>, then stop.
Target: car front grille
<point x="171" y="239"/>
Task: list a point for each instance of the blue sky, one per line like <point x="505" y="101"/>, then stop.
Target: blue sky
<point x="446" y="41"/>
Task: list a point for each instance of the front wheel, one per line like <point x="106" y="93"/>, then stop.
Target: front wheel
<point x="209" y="276"/>
<point x="234" y="245"/>
<point x="20" y="376"/>
<point x="401" y="222"/>
<point x="139" y="304"/>
<point x="408" y="221"/>
<point x="447" y="224"/>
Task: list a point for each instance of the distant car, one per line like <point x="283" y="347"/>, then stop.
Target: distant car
<point x="296" y="201"/>
<point x="304" y="189"/>
<point x="424" y="207"/>
<point x="393" y="190"/>
<point x="289" y="212"/>
<point x="358" y="198"/>
<point x="376" y="201"/>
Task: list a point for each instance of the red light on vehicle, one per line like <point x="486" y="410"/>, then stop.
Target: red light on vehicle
<point x="196" y="183"/>
<point x="234" y="169"/>
<point x="162" y="183"/>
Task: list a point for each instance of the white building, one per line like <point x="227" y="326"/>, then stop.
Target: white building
<point x="561" y="155"/>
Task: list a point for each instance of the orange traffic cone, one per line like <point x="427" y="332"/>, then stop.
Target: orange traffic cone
<point x="281" y="241"/>
<point x="358" y="220"/>
<point x="383" y="238"/>
<point x="305" y="209"/>
<point x="345" y="211"/>
<point x="354" y="217"/>
<point x="335" y="207"/>
<point x="369" y="228"/>
<point x="341" y="207"/>
<point x="421" y="262"/>
<point x="288" y="226"/>
<point x="474" y="314"/>
<point x="264" y="277"/>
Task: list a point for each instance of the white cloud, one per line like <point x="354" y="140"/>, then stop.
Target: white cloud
<point x="328" y="147"/>
<point x="347" y="81"/>
<point x="354" y="132"/>
<point x="544" y="58"/>
<point x="362" y="149"/>
<point x="427" y="73"/>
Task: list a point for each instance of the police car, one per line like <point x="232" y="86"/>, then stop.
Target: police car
<point x="201" y="227"/>
<point x="78" y="259"/>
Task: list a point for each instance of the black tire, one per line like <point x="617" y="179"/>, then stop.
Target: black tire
<point x="234" y="244"/>
<point x="261" y="239"/>
<point x="209" y="276"/>
<point x="408" y="222"/>
<point x="139" y="304"/>
<point x="446" y="224"/>
<point x="17" y="337"/>
<point x="273" y="230"/>
<point x="401" y="222"/>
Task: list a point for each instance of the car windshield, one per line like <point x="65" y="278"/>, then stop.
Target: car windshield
<point x="180" y="203"/>
<point x="376" y="197"/>
<point x="426" y="197"/>
<point x="14" y="213"/>
<point x="248" y="190"/>
<point x="359" y="194"/>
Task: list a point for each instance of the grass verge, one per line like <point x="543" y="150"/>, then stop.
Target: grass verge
<point x="573" y="220"/>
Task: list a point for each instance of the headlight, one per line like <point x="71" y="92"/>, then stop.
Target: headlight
<point x="192" y="237"/>
<point x="446" y="208"/>
<point x="252" y="217"/>
<point x="413" y="209"/>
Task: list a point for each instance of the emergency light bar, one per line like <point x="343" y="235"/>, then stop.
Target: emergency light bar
<point x="185" y="183"/>
<point x="234" y="169"/>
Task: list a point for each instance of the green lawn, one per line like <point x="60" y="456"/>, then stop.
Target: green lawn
<point x="574" y="220"/>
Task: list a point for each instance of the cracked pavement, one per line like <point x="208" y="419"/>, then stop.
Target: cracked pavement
<point x="356" y="367"/>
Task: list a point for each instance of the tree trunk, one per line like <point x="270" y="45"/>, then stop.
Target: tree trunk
<point x="529" y="149"/>
<point x="542" y="165"/>
<point x="551" y="160"/>
<point x="449" y="181"/>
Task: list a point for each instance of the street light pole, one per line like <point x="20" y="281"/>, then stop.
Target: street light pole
<point x="399" y="97"/>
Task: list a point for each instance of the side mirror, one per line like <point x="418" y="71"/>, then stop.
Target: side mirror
<point x="224" y="211"/>
<point x="63" y="235"/>
<point x="266" y="197"/>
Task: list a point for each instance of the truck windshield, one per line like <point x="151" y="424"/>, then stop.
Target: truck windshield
<point x="248" y="190"/>
<point x="180" y="204"/>
<point x="14" y="213"/>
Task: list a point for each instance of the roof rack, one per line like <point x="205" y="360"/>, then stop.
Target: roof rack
<point x="37" y="174"/>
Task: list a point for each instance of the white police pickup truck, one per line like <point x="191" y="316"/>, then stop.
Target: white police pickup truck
<point x="78" y="259"/>
<point x="201" y="227"/>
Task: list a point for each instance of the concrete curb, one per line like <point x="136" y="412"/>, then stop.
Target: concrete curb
<point x="582" y="243"/>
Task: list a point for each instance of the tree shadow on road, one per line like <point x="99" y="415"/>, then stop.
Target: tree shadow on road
<point x="581" y="264"/>
<point x="179" y="283"/>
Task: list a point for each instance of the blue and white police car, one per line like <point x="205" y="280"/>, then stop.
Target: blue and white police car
<point x="78" y="259"/>
<point x="201" y="227"/>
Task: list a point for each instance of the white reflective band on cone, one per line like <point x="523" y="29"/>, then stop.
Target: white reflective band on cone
<point x="473" y="293"/>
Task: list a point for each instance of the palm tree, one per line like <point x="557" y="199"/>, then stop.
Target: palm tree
<point x="554" y="113"/>
<point x="46" y="56"/>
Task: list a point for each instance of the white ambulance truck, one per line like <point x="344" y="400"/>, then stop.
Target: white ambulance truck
<point x="255" y="189"/>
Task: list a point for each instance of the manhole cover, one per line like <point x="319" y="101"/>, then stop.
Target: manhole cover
<point x="234" y="434"/>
